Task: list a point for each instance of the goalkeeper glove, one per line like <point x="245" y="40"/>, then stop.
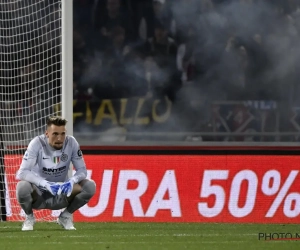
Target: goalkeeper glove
<point x="51" y="187"/>
<point x="66" y="187"/>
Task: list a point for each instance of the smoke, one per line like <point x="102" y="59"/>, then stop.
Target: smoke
<point x="242" y="50"/>
<point x="263" y="40"/>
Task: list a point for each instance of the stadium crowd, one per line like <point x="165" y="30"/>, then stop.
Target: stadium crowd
<point x="223" y="50"/>
<point x="195" y="52"/>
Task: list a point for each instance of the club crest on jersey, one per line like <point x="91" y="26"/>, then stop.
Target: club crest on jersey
<point x="25" y="156"/>
<point x="64" y="157"/>
<point x="56" y="159"/>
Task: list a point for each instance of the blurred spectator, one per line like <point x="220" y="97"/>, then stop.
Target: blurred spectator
<point x="136" y="75"/>
<point x="186" y="14"/>
<point x="114" y="84"/>
<point x="160" y="52"/>
<point x="82" y="94"/>
<point x="113" y="16"/>
<point x="161" y="47"/>
<point x="186" y="57"/>
<point x="207" y="6"/>
<point x="235" y="68"/>
<point x="117" y="44"/>
<point x="28" y="78"/>
<point x="82" y="14"/>
<point x="156" y="13"/>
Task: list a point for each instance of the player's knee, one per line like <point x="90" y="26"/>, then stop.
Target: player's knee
<point x="23" y="189"/>
<point x="89" y="187"/>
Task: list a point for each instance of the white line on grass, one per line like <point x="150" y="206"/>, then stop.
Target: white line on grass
<point x="28" y="235"/>
<point x="143" y="242"/>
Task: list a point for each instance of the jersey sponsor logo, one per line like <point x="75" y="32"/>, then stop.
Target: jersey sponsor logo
<point x="64" y="157"/>
<point x="54" y="170"/>
<point x="79" y="153"/>
<point x="44" y="158"/>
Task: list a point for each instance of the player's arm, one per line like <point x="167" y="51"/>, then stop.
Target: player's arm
<point x="80" y="168"/>
<point x="25" y="172"/>
<point x="28" y="162"/>
<point x="78" y="163"/>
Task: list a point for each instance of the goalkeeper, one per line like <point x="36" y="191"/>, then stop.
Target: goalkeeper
<point x="43" y="176"/>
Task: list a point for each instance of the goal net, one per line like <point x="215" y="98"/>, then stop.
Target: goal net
<point x="30" y="87"/>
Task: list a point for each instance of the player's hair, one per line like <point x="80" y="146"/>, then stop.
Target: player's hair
<point x="56" y="120"/>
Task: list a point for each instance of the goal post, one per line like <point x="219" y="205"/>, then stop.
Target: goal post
<point x="36" y="77"/>
<point x="67" y="66"/>
<point x="2" y="179"/>
<point x="67" y="62"/>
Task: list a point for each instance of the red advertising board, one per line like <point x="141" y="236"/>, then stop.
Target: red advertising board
<point x="192" y="188"/>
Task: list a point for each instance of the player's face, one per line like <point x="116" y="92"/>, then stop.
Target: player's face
<point x="56" y="136"/>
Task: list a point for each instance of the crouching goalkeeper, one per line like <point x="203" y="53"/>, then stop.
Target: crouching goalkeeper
<point x="43" y="176"/>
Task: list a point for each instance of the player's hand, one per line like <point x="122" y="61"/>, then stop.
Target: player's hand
<point x="51" y="187"/>
<point x="66" y="188"/>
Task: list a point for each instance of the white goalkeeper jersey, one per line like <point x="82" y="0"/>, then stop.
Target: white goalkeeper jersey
<point x="41" y="161"/>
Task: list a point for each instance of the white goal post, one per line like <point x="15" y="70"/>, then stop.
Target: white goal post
<point x="36" y="81"/>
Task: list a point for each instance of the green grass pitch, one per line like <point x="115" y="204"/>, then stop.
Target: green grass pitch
<point x="146" y="236"/>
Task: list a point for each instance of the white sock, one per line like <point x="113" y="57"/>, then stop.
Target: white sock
<point x="65" y="213"/>
<point x="29" y="215"/>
